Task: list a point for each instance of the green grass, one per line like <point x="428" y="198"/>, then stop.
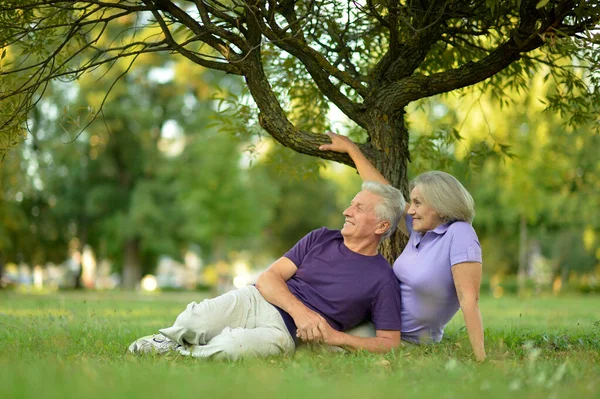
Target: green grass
<point x="74" y="345"/>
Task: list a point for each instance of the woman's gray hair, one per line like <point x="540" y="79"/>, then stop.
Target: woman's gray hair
<point x="446" y="195"/>
<point x="391" y="206"/>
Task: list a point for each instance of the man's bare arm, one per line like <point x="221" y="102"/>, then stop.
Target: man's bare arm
<point x="384" y="340"/>
<point x="271" y="285"/>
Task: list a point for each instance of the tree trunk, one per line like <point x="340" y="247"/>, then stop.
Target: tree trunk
<point x="522" y="273"/>
<point x="82" y="243"/>
<point x="1" y="268"/>
<point x="389" y="140"/>
<point x="565" y="268"/>
<point x="132" y="268"/>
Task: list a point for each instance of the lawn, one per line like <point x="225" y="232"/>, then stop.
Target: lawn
<point x="74" y="345"/>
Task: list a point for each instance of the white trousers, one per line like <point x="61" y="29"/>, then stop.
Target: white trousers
<point x="236" y="324"/>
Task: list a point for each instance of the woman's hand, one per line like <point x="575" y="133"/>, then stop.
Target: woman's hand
<point x="339" y="143"/>
<point x="365" y="168"/>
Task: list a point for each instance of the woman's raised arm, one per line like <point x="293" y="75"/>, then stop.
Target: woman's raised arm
<point x="365" y="168"/>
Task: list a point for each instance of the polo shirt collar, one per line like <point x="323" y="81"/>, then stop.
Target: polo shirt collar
<point x="440" y="230"/>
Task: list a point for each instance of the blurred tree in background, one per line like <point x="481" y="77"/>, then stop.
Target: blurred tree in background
<point x="306" y="200"/>
<point x="151" y="176"/>
<point x="14" y="220"/>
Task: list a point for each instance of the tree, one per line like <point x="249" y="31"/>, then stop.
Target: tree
<point x="104" y="178"/>
<point x="305" y="199"/>
<point x="13" y="218"/>
<point x="370" y="59"/>
<point x="224" y="206"/>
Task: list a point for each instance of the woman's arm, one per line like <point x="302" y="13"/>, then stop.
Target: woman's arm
<point x="467" y="280"/>
<point x="365" y="168"/>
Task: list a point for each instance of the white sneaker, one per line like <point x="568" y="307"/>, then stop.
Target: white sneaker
<point x="156" y="343"/>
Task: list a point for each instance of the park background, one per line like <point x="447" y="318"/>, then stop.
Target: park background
<point x="175" y="180"/>
<point x="118" y="210"/>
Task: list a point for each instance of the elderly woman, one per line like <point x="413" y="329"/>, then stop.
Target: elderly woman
<point x="440" y="268"/>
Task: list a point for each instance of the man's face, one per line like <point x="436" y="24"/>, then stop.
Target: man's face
<point x="361" y="221"/>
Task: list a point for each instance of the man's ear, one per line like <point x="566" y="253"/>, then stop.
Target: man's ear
<point x="382" y="227"/>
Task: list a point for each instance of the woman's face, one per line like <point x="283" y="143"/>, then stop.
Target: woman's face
<point x="425" y="218"/>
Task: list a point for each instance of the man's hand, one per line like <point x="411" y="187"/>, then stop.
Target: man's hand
<point x="330" y="336"/>
<point x="271" y="285"/>
<point x="308" y="323"/>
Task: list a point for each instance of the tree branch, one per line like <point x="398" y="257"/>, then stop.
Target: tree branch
<point x="180" y="48"/>
<point x="319" y="68"/>
<point x="206" y="33"/>
<point x="524" y="38"/>
<point x="318" y="64"/>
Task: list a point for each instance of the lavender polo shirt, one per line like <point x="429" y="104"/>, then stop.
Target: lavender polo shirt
<point x="345" y="287"/>
<point x="429" y="298"/>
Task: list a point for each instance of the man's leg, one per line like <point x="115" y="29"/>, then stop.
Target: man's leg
<point x="238" y="323"/>
<point x="234" y="343"/>
<point x="200" y="322"/>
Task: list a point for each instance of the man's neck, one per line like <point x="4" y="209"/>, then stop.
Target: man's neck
<point x="362" y="247"/>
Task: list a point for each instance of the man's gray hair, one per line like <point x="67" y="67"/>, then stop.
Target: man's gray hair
<point x="446" y="195"/>
<point x="391" y="206"/>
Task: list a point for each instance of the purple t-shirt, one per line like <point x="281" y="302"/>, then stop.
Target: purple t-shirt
<point x="424" y="268"/>
<point x="344" y="287"/>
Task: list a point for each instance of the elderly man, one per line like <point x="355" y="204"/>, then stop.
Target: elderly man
<point x="329" y="282"/>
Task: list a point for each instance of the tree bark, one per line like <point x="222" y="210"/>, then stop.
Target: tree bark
<point x="132" y="268"/>
<point x="522" y="273"/>
<point x="390" y="155"/>
<point x="78" y="283"/>
<point x="1" y="268"/>
<point x="564" y="272"/>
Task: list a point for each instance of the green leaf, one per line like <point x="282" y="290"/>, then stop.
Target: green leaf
<point x="542" y="4"/>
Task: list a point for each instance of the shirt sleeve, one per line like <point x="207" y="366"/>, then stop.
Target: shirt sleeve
<point x="465" y="245"/>
<point x="302" y="247"/>
<point x="386" y="308"/>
